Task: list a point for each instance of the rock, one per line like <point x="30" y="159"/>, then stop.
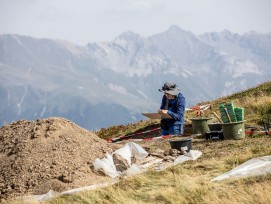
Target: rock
<point x="120" y="163"/>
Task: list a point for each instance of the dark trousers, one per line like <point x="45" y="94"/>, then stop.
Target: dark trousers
<point x="174" y="130"/>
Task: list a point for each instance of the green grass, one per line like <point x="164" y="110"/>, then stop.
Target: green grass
<point x="256" y="102"/>
<point x="190" y="182"/>
<point x="120" y="130"/>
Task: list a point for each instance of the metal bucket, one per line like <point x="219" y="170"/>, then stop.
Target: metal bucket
<point x="234" y="130"/>
<point x="200" y="125"/>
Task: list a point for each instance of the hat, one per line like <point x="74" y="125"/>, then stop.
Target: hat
<point x="170" y="88"/>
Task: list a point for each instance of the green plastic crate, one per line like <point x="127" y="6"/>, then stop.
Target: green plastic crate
<point x="223" y="113"/>
<point x="240" y="114"/>
<point x="231" y="112"/>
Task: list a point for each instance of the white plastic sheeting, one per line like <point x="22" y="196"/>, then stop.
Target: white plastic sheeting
<point x="133" y="149"/>
<point x="191" y="155"/>
<point x="137" y="150"/>
<point x="125" y="152"/>
<point x="107" y="166"/>
<point x="253" y="167"/>
<point x="52" y="194"/>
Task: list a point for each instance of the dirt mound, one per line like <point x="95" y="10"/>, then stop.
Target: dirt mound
<point x="52" y="153"/>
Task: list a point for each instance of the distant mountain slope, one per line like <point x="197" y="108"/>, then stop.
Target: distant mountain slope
<point x="252" y="45"/>
<point x="110" y="83"/>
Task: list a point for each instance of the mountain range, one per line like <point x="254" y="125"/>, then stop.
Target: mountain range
<point x="109" y="83"/>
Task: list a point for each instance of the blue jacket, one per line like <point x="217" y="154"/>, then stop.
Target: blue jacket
<point x="176" y="109"/>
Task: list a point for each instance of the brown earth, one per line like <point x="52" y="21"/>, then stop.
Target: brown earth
<point x="52" y="153"/>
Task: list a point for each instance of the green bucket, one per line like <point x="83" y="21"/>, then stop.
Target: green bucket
<point x="234" y="130"/>
<point x="200" y="125"/>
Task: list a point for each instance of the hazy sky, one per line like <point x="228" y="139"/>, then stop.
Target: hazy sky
<point x="83" y="21"/>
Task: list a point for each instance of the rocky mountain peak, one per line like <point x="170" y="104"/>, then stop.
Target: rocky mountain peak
<point x="84" y="84"/>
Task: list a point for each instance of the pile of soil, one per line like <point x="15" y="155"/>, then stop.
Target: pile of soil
<point x="52" y="153"/>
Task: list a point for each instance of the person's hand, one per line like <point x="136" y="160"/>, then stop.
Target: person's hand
<point x="161" y="112"/>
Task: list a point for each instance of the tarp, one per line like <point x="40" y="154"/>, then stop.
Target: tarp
<point x="253" y="167"/>
<point x="107" y="166"/>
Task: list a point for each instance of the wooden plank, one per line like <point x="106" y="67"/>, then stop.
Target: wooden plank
<point x="157" y="116"/>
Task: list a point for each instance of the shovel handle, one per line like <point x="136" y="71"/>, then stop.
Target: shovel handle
<point x="227" y="114"/>
<point x="218" y="118"/>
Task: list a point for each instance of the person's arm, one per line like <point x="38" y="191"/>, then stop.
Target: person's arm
<point x="163" y="104"/>
<point x="180" y="109"/>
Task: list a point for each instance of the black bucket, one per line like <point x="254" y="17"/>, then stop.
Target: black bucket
<point x="215" y="126"/>
<point x="214" y="135"/>
<point x="181" y="145"/>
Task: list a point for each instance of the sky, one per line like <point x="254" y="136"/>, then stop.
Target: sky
<point x="84" y="21"/>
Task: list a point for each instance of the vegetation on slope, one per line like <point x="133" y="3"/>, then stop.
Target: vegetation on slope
<point x="256" y="102"/>
<point x="190" y="182"/>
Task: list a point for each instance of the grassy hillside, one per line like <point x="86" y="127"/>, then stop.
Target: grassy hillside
<point x="190" y="182"/>
<point x="256" y="102"/>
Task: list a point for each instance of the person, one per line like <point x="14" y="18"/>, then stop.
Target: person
<point x="173" y="104"/>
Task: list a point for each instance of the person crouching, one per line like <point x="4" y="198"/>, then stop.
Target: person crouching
<point x="173" y="104"/>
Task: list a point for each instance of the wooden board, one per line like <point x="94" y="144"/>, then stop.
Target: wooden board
<point x="157" y="116"/>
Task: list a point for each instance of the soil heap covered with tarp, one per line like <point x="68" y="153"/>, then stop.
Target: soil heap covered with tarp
<point x="52" y="153"/>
